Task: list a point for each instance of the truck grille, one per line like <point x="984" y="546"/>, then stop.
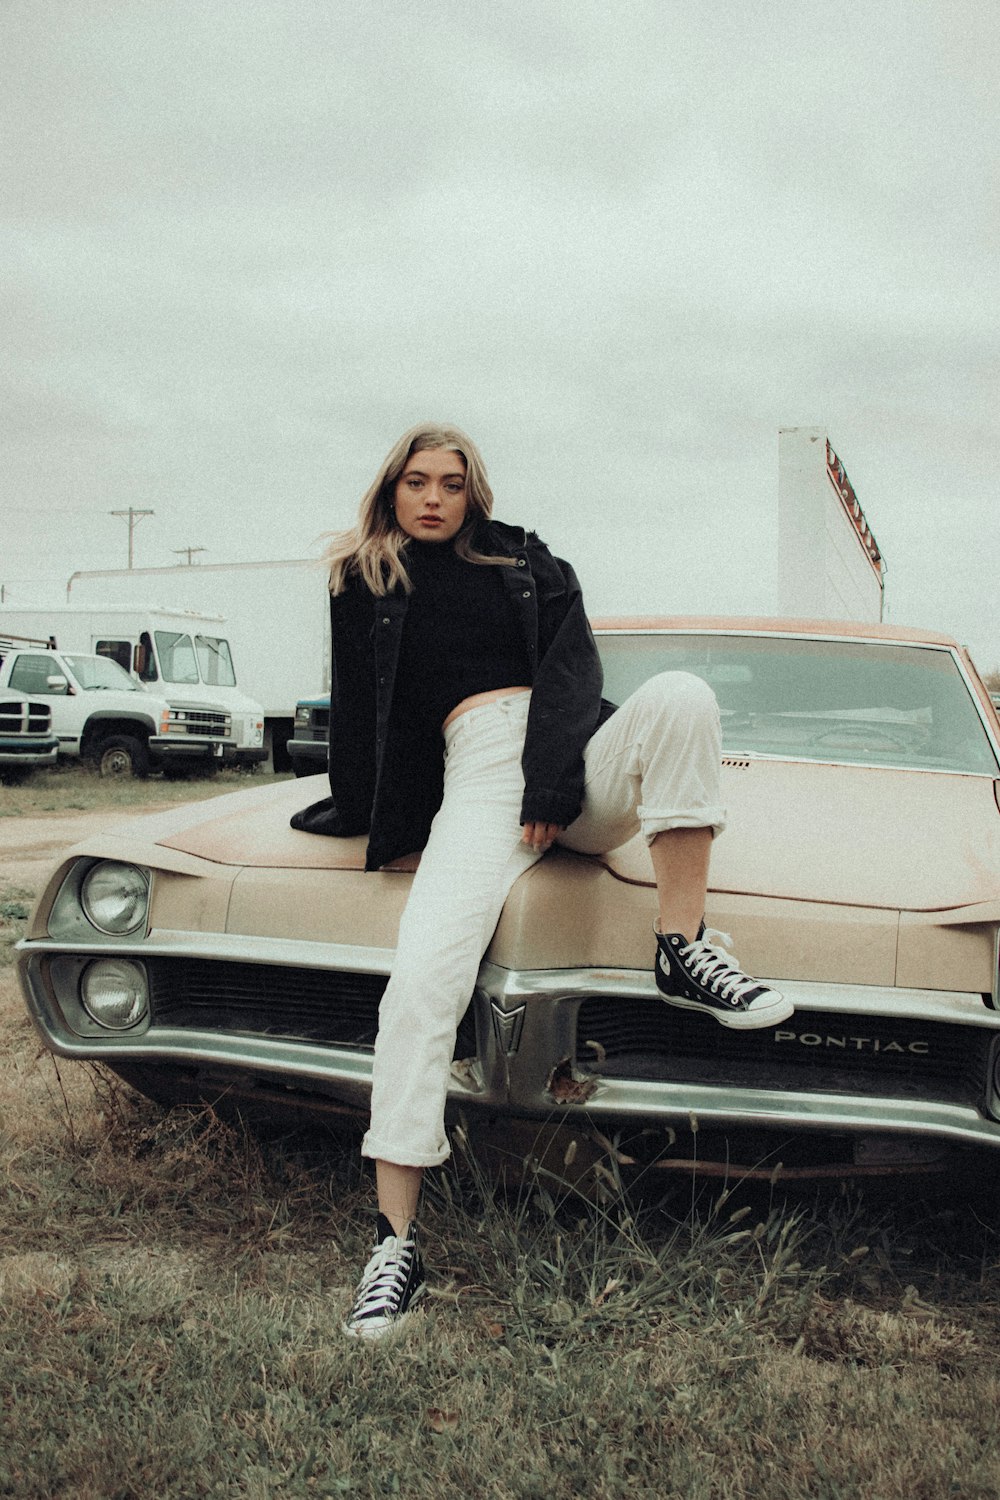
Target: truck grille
<point x="25" y="718"/>
<point x="316" y="729"/>
<point x="883" y="1057"/>
<point x="315" y="1005"/>
<point x="208" y="722"/>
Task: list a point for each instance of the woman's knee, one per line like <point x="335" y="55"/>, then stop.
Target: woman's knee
<point x="680" y="693"/>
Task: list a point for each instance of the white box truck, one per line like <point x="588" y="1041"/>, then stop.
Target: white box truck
<point x="181" y="656"/>
<point x="275" y="616"/>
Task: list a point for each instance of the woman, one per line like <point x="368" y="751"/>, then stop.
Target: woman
<point x="467" y="722"/>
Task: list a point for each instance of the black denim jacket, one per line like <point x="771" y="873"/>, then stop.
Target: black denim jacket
<point x="387" y="781"/>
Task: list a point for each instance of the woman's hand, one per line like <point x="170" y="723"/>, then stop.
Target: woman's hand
<point x="541" y="836"/>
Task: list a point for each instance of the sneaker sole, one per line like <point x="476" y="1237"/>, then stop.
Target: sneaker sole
<point x="370" y="1330"/>
<point x="737" y="1020"/>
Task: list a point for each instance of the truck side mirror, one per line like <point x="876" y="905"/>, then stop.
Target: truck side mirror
<point x="140" y="656"/>
<point x="57" y="684"/>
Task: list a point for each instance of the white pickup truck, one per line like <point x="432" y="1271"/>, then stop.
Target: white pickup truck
<point x="101" y="714"/>
<point x="26" y="738"/>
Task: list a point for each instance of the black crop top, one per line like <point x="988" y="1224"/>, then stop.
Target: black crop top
<point x="460" y="635"/>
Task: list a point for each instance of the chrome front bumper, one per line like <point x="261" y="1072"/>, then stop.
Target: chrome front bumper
<point x="526" y="1045"/>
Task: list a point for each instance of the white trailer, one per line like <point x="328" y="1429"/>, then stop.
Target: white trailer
<point x="830" y="566"/>
<point x="275" y="615"/>
<point x="182" y="656"/>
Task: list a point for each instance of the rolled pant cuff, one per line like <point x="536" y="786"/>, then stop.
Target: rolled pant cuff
<point x="703" y="817"/>
<point x="402" y="1156"/>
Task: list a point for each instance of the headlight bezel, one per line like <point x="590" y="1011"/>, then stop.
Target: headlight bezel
<point x="133" y="891"/>
<point x="138" y="1016"/>
<point x="68" y="919"/>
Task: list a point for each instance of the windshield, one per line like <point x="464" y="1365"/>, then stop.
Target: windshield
<point x="177" y="658"/>
<point x="94" y="673"/>
<point x="215" y="661"/>
<point x="854" y="702"/>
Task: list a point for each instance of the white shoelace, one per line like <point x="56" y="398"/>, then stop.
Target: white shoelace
<point x="384" y="1279"/>
<point x="715" y="968"/>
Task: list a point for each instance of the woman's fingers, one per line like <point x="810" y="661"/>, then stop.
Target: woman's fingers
<point x="541" y="835"/>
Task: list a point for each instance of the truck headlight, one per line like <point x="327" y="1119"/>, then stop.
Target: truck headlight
<point x="115" y="897"/>
<point x="115" y="993"/>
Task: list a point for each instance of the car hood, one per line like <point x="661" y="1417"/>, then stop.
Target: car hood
<point x="847" y="835"/>
<point x="851" y="835"/>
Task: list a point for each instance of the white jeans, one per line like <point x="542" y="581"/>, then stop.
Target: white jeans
<point x="654" y="765"/>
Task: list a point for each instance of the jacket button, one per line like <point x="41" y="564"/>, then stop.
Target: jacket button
<point x="385" y="619"/>
<point x="521" y="562"/>
<point x="526" y="594"/>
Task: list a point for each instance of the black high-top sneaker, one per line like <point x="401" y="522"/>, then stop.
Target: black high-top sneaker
<point x="703" y="976"/>
<point x="391" y="1282"/>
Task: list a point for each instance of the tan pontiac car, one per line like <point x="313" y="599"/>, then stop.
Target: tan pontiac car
<point x="212" y="952"/>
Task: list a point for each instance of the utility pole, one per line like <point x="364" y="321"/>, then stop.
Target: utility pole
<point x="189" y="553"/>
<point x="133" y="516"/>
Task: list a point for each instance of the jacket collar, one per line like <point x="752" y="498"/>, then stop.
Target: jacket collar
<point x="493" y="537"/>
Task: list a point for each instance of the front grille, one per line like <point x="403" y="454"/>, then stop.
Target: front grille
<point x="840" y="1054"/>
<point x="315" y="1005"/>
<point x="25" y="718"/>
<point x="205" y="721"/>
<point x="316" y="728"/>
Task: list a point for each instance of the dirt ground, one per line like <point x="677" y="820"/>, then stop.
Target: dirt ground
<point x="29" y="847"/>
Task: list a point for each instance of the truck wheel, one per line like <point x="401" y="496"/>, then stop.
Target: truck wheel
<point x="122" y="755"/>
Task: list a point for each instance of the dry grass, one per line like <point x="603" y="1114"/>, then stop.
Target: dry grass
<point x="78" y="788"/>
<point x="171" y="1290"/>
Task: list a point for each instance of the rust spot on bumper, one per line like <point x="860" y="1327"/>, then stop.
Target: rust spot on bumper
<point x="566" y="1086"/>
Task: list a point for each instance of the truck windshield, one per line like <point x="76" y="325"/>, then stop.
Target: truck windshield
<point x="96" y="672"/>
<point x="215" y="661"/>
<point x="177" y="659"/>
<point x="853" y="702"/>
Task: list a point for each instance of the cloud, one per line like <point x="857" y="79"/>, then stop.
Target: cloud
<point x="252" y="242"/>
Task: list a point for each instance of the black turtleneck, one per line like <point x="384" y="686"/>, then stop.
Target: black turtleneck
<point x="460" y="635"/>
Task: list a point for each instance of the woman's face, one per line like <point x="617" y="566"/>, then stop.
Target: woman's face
<point x="430" y="495"/>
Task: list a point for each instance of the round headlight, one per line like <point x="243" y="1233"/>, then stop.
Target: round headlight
<point x="115" y="993"/>
<point x="115" y="897"/>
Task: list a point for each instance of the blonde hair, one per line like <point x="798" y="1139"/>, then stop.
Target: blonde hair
<point x="375" y="547"/>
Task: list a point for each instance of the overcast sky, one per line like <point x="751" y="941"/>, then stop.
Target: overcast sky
<point x="248" y="242"/>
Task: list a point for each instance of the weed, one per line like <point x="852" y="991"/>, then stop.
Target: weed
<point x="15" y="909"/>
